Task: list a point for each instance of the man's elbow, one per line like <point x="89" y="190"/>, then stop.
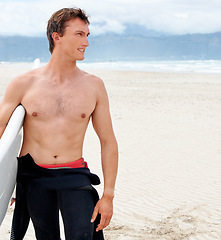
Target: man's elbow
<point x="111" y="146"/>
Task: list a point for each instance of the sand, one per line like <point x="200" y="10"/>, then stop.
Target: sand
<point x="168" y="127"/>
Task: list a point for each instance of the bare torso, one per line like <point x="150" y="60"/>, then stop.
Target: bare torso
<point x="57" y="116"/>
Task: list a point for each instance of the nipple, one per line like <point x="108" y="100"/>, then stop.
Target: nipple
<point x="83" y="115"/>
<point x="34" y="114"/>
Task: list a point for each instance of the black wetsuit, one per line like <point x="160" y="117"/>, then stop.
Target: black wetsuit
<point x="42" y="192"/>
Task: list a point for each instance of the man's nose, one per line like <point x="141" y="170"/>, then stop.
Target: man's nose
<point x="86" y="42"/>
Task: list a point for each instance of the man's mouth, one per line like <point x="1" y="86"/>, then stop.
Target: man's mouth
<point x="81" y="50"/>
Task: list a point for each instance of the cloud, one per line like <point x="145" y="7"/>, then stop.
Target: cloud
<point x="27" y="17"/>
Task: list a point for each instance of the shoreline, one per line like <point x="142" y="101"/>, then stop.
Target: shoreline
<point x="171" y="66"/>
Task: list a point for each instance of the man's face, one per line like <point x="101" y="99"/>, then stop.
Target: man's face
<point x="75" y="39"/>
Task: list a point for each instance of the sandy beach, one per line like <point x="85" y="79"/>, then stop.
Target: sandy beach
<point x="168" y="126"/>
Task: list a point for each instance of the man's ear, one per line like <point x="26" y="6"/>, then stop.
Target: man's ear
<point x="56" y="37"/>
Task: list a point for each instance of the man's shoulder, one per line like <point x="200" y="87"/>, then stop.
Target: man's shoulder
<point x="97" y="85"/>
<point x="19" y="86"/>
<point x="26" y="78"/>
<point x="93" y="79"/>
<point x="90" y="76"/>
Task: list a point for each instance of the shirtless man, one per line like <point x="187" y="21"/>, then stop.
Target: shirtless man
<point x="59" y="100"/>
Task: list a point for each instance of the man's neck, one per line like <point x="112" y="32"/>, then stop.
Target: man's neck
<point x="61" y="68"/>
<point x="59" y="61"/>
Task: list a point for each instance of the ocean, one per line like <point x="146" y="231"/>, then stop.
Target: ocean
<point x="190" y="66"/>
<point x="194" y="66"/>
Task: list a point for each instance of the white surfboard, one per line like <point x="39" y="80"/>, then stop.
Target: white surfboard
<point x="10" y="144"/>
<point x="36" y="63"/>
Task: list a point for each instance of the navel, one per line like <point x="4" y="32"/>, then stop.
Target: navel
<point x="83" y="115"/>
<point x="34" y="114"/>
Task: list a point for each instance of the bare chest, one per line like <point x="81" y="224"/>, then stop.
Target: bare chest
<point x="66" y="103"/>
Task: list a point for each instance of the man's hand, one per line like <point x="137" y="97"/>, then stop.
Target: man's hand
<point x="105" y="207"/>
<point x="12" y="201"/>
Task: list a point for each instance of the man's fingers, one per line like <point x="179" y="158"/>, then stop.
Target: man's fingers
<point x="103" y="223"/>
<point x="12" y="201"/>
<point x="101" y="226"/>
<point x="107" y="222"/>
<point x="105" y="209"/>
<point x="94" y="215"/>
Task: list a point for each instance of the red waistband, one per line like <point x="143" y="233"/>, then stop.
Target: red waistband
<point x="80" y="163"/>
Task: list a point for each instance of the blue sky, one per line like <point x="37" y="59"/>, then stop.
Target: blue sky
<point x="29" y="17"/>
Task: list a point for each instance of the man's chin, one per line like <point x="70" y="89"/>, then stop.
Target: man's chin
<point x="80" y="59"/>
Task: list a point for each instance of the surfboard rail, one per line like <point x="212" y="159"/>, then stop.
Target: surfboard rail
<point x="10" y="144"/>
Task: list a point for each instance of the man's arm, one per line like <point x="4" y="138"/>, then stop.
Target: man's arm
<point x="11" y="99"/>
<point x="102" y="124"/>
